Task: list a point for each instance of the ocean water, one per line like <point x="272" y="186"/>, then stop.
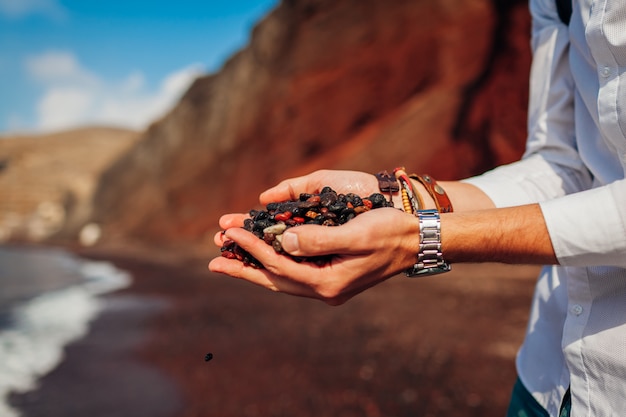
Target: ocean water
<point x="48" y="297"/>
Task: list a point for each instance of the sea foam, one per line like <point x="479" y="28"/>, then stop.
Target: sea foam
<point x="39" y="329"/>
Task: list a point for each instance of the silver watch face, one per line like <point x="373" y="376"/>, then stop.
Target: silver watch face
<point x="421" y="271"/>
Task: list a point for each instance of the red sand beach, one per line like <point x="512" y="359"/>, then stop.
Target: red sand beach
<point x="436" y="346"/>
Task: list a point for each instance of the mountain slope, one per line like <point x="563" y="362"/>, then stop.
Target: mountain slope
<point x="439" y="87"/>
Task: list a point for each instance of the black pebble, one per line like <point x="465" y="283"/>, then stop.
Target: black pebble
<point x="208" y="357"/>
<point x="331" y="209"/>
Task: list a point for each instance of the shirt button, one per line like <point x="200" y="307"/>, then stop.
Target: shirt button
<point x="576" y="309"/>
<point x="605" y="71"/>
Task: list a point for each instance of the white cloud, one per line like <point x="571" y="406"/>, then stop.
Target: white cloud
<point x="16" y="9"/>
<point x="63" y="107"/>
<point x="59" y="67"/>
<point x="134" y="82"/>
<point x="179" y="80"/>
<point x="74" y="96"/>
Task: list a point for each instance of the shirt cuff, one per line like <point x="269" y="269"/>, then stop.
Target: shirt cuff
<point x="528" y="181"/>
<point x="589" y="228"/>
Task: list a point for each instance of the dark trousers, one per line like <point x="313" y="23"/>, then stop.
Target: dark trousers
<point x="524" y="405"/>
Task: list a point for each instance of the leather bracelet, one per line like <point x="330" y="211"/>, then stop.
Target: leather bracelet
<point x="442" y="201"/>
<point x="411" y="201"/>
<point x="387" y="183"/>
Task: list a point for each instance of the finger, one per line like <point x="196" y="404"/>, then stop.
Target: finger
<point x="219" y="238"/>
<point x="228" y="221"/>
<point x="289" y="189"/>
<point x="237" y="269"/>
<point x="261" y="277"/>
<point x="249" y="242"/>
<point x="331" y="283"/>
<point x="314" y="240"/>
<point x="275" y="263"/>
<point x="364" y="234"/>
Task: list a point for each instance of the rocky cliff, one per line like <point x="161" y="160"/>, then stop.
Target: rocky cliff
<point x="437" y="86"/>
<point x="47" y="181"/>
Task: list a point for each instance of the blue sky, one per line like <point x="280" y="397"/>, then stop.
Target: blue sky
<point x="67" y="63"/>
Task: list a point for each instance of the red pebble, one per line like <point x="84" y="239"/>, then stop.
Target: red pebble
<point x="269" y="238"/>
<point x="367" y="203"/>
<point x="229" y="255"/>
<point x="298" y="220"/>
<point x="281" y="217"/>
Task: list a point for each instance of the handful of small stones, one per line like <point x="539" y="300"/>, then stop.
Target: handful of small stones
<point x="328" y="208"/>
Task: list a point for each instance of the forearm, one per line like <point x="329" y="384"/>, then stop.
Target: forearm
<point x="475" y="232"/>
<point x="516" y="235"/>
<point x="463" y="196"/>
<point x="478" y="232"/>
<point x="379" y="244"/>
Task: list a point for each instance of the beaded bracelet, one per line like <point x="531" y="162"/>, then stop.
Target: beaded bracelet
<point x="411" y="201"/>
<point x="429" y="258"/>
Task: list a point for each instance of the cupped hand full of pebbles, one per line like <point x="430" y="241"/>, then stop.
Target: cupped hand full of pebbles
<point x="328" y="208"/>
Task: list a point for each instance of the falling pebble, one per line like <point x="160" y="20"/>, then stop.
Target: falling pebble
<point x="208" y="357"/>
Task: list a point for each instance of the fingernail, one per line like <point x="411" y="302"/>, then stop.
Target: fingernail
<point x="290" y="242"/>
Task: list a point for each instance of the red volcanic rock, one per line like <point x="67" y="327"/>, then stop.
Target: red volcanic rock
<point x="437" y="86"/>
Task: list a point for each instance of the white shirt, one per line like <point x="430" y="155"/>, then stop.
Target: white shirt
<point x="574" y="167"/>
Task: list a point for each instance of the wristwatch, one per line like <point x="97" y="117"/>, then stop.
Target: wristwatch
<point x="429" y="258"/>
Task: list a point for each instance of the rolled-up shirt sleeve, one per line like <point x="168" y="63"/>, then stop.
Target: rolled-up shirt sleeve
<point x="589" y="228"/>
<point x="551" y="166"/>
<point x="586" y="219"/>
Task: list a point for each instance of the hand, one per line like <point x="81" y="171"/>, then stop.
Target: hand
<point x="365" y="251"/>
<point x="359" y="183"/>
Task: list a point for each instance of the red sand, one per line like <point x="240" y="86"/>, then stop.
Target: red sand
<point x="436" y="346"/>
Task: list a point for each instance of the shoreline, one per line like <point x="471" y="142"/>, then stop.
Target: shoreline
<point x="103" y="373"/>
<point x="433" y="346"/>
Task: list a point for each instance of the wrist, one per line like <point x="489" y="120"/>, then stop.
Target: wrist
<point x="430" y="258"/>
<point x="429" y="202"/>
<point x="403" y="191"/>
<point x="436" y="191"/>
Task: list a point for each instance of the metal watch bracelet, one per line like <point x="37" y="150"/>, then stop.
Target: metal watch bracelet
<point x="429" y="258"/>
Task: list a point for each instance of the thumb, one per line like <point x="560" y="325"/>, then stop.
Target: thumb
<point x="314" y="240"/>
<point x="291" y="243"/>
